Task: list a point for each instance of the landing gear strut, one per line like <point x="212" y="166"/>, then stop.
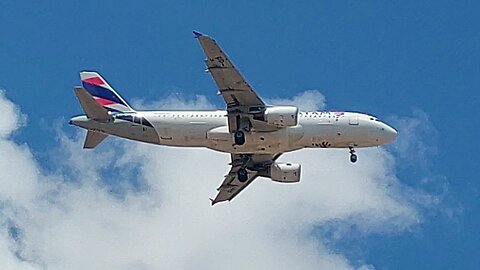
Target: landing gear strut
<point x="353" y="156"/>
<point x="242" y="175"/>
<point x="239" y="137"/>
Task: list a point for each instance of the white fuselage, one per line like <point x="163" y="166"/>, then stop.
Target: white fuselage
<point x="210" y="129"/>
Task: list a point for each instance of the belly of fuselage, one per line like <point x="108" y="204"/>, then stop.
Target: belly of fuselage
<point x="212" y="132"/>
<point x="220" y="139"/>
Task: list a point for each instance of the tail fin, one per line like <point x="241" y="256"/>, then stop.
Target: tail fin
<point x="103" y="92"/>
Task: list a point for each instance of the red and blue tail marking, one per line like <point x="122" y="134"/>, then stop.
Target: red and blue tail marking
<point x="103" y="92"/>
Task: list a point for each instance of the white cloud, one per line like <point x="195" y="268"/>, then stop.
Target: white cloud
<point x="12" y="119"/>
<point x="70" y="219"/>
<point x="409" y="147"/>
<point x="174" y="102"/>
<point x="309" y="100"/>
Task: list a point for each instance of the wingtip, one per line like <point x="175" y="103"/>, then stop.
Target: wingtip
<point x="213" y="201"/>
<point x="197" y="34"/>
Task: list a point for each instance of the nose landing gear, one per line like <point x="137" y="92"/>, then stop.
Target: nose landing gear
<point x="353" y="156"/>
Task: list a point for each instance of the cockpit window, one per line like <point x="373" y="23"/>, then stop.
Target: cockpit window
<point x="135" y="119"/>
<point x="128" y="118"/>
<point x="146" y="123"/>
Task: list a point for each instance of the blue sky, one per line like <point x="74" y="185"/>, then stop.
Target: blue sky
<point x="390" y="59"/>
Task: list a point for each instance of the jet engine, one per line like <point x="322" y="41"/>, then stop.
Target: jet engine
<point x="285" y="172"/>
<point x="281" y="116"/>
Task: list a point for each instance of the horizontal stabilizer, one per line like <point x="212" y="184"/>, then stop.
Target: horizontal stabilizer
<point x="92" y="109"/>
<point x="93" y="139"/>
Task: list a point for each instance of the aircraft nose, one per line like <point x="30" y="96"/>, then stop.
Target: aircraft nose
<point x="389" y="133"/>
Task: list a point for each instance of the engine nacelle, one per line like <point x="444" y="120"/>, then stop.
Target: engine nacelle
<point x="285" y="172"/>
<point x="281" y="116"/>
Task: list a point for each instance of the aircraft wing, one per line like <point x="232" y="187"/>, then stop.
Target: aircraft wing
<point x="235" y="90"/>
<point x="255" y="165"/>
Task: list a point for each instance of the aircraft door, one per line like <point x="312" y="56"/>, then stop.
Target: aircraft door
<point x="353" y="119"/>
<point x="164" y="130"/>
<point x="133" y="128"/>
<point x="142" y="130"/>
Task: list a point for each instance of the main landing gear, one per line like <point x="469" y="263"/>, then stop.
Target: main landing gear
<point x="353" y="156"/>
<point x="239" y="137"/>
<point x="242" y="175"/>
<point x="243" y="125"/>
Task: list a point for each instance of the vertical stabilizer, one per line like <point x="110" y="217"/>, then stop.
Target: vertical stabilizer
<point x="103" y="93"/>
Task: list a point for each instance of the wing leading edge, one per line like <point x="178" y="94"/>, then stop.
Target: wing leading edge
<point x="231" y="185"/>
<point x="231" y="84"/>
<point x="239" y="96"/>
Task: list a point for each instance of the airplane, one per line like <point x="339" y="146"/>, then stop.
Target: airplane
<point x="253" y="133"/>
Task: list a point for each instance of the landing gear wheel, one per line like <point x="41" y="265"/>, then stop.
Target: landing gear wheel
<point x="239" y="137"/>
<point x="242" y="175"/>
<point x="353" y="156"/>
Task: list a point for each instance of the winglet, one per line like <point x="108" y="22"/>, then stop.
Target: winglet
<point x="197" y="34"/>
<point x="213" y="201"/>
